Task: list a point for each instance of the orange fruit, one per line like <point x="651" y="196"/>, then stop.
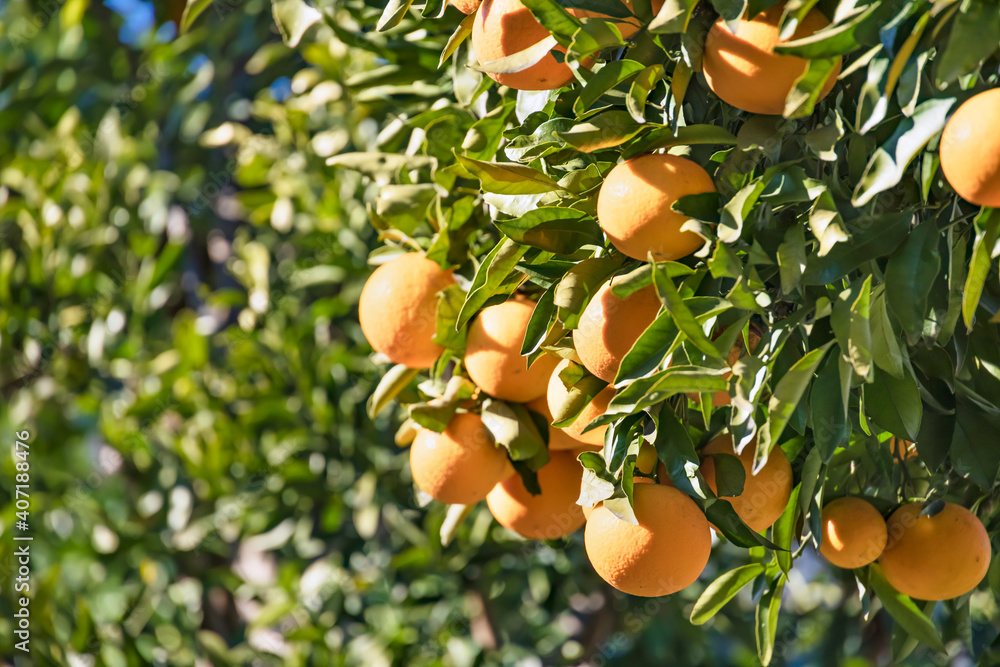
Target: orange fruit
<point x="493" y="354"/>
<point x="665" y="553"/>
<point x="854" y="533"/>
<point x="465" y="6"/>
<point x="721" y="397"/>
<point x="551" y="514"/>
<point x="744" y="70"/>
<point x="506" y="27"/>
<point x="935" y="557"/>
<point x="398" y="309"/>
<point x="646" y="459"/>
<point x="559" y="440"/>
<point x="970" y="150"/>
<point x="765" y="494"/>
<point x="610" y="326"/>
<point x="556" y="396"/>
<point x="460" y="465"/>
<point x="633" y="206"/>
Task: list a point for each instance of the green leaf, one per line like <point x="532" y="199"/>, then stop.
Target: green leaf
<point x="688" y="135"/>
<point x="598" y="484"/>
<point x="651" y="390"/>
<point x="448" y="308"/>
<point x="974" y="37"/>
<point x="785" y="399"/>
<point x="736" y="210"/>
<point x="508" y="178"/>
<point x="894" y="404"/>
<point x="581" y="388"/>
<point x="886" y="351"/>
<point x="877" y="236"/>
<point x="802" y="98"/>
<point x="729" y="10"/>
<point x="649" y="349"/>
<point x="635" y="101"/>
<point x="859" y="339"/>
<point x="559" y="230"/>
<point x="192" y="10"/>
<point x="295" y="17"/>
<point x="605" y="130"/>
<point x="909" y="276"/>
<point x="722" y="590"/>
<point x="611" y="75"/>
<point x="826" y="224"/>
<point x="730" y="475"/>
<point x="393" y="14"/>
<point x="889" y="163"/>
<point x="784" y="531"/>
<point x="840" y="38"/>
<point x="579" y="284"/>
<point x="972" y="453"/>
<point x="538" y="324"/>
<point x="792" y="258"/>
<point x="495" y="267"/>
<point x="673" y="17"/>
<point x="682" y="315"/>
<point x="987" y="226"/>
<point x="394" y="381"/>
<point x="903" y="610"/>
<point x="462" y="32"/>
<point x="555" y="18"/>
<point x="514" y="428"/>
<point x="766" y="620"/>
<point x="830" y="426"/>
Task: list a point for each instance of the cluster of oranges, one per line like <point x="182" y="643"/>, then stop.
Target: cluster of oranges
<point x="669" y="546"/>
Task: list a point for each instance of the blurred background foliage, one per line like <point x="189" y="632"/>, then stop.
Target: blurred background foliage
<point x="178" y="273"/>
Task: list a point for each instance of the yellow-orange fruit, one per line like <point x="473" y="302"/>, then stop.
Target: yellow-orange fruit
<point x="505" y="27"/>
<point x="970" y="150"/>
<point x="935" y="557"/>
<point x="765" y="494"/>
<point x="610" y="326"/>
<point x="465" y="6"/>
<point x="743" y="68"/>
<point x="556" y="396"/>
<point x="634" y="211"/>
<point x="460" y="465"/>
<point x="665" y="553"/>
<point x="551" y="514"/>
<point x="398" y="309"/>
<point x="559" y="440"/>
<point x="854" y="533"/>
<point x="646" y="459"/>
<point x="493" y="354"/>
<point x="721" y="398"/>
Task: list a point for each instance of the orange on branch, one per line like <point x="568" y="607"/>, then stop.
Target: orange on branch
<point x="633" y="206"/>
<point x="765" y="494"/>
<point x="559" y="439"/>
<point x="935" y="557"/>
<point x="610" y="326"/>
<point x="549" y="515"/>
<point x="460" y="465"/>
<point x="493" y="353"/>
<point x="665" y="553"/>
<point x="970" y="150"/>
<point x="398" y="309"/>
<point x="854" y="533"/>
<point x="744" y="70"/>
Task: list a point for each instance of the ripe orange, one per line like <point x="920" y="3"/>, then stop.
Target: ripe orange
<point x="398" y="309"/>
<point x="493" y="354"/>
<point x="935" y="557"/>
<point x="556" y="395"/>
<point x="551" y="514"/>
<point x="970" y="150"/>
<point x="765" y="494"/>
<point x="506" y="27"/>
<point x="634" y="211"/>
<point x="559" y="439"/>
<point x="610" y="326"/>
<point x="461" y="465"/>
<point x="721" y="397"/>
<point x="665" y="553"/>
<point x="854" y="533"/>
<point x="465" y="6"/>
<point x="743" y="69"/>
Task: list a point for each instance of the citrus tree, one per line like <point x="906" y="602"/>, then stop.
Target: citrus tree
<point x="735" y="258"/>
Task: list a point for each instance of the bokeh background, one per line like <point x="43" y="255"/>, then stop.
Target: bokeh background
<point x="179" y="273"/>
